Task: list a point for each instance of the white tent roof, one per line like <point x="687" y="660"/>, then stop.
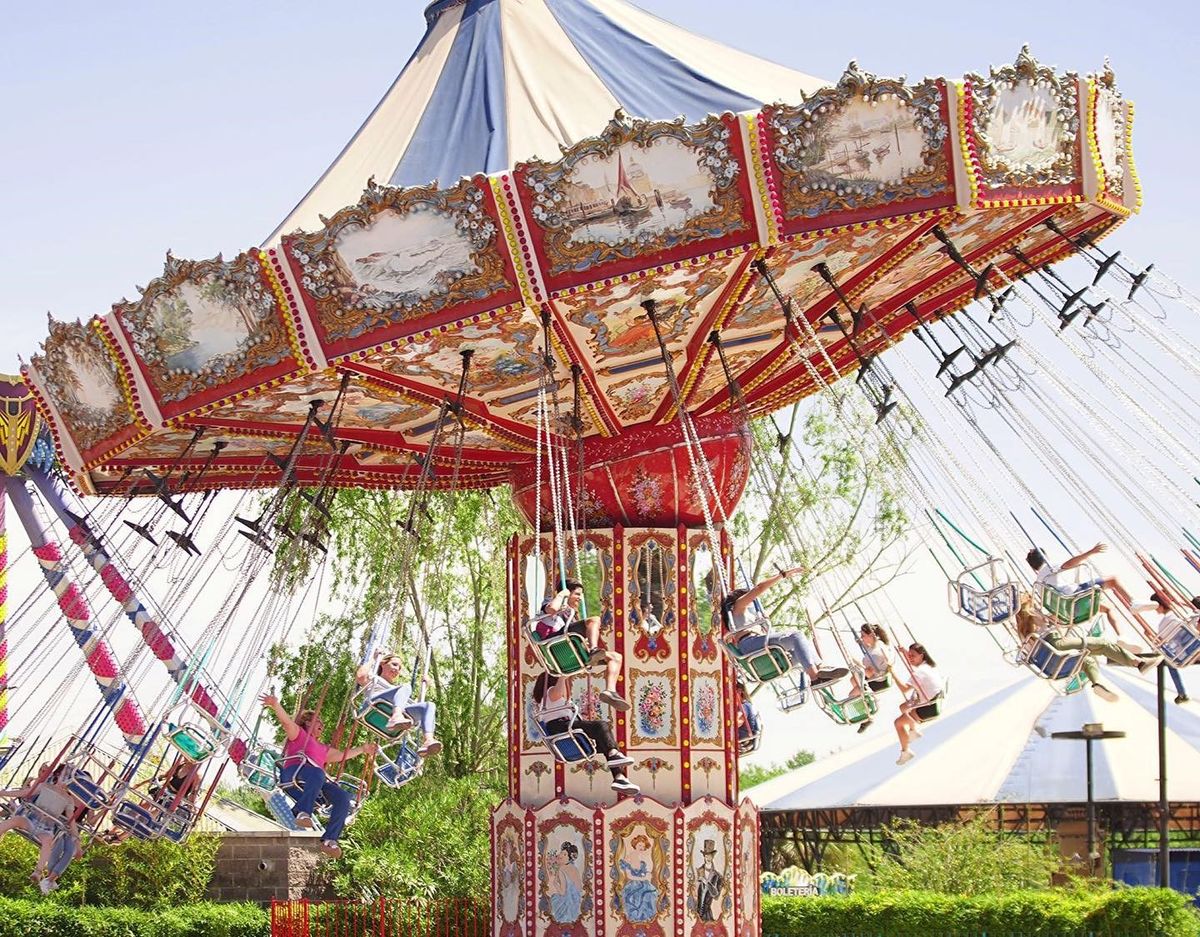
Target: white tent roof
<point x="997" y="749"/>
<point x="495" y="82"/>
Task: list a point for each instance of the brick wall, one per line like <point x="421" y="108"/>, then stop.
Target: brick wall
<point x="262" y="866"/>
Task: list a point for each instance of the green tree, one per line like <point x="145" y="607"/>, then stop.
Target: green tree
<point x="968" y="858"/>
<point x="825" y="494"/>
<point x="751" y="774"/>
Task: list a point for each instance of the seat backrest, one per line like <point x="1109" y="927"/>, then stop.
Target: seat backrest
<point x="572" y="745"/>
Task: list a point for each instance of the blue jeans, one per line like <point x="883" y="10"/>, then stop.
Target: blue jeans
<point x="423" y="714"/>
<point x="1177" y="679"/>
<point x="61" y="854"/>
<point x="799" y="648"/>
<point x="315" y="783"/>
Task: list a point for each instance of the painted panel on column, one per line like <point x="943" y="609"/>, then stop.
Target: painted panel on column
<point x="708" y="855"/>
<point x="564" y="872"/>
<point x="639" y="870"/>
<point x="537" y="780"/>
<point x="701" y="614"/>
<point x="508" y="871"/>
<point x="747" y="871"/>
<point x="652" y="615"/>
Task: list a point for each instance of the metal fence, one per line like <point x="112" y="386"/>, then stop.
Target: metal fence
<point x="449" y="917"/>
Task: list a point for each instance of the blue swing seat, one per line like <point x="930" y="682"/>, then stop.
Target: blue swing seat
<point x="87" y="791"/>
<point x="1180" y="645"/>
<point x="1048" y="662"/>
<point x="137" y="820"/>
<point x="572" y="744"/>
<point x="398" y="768"/>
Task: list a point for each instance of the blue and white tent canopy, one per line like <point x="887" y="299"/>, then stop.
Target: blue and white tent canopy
<point x="495" y="82"/>
<point x="998" y="749"/>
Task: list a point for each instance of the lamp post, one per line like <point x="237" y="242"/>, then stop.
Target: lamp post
<point x="1091" y="732"/>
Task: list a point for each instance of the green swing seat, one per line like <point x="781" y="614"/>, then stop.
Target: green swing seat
<point x="1071" y="608"/>
<point x="193" y="742"/>
<point x="850" y="711"/>
<point x="260" y="769"/>
<point x="562" y="654"/>
<point x="375" y="717"/>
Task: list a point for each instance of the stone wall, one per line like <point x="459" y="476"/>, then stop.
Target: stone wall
<point x="261" y="866"/>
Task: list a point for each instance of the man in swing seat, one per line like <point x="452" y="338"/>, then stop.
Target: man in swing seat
<point x="552" y="697"/>
<point x="552" y="624"/>
<point x="1030" y="620"/>
<point x="309" y="772"/>
<point x="384" y="686"/>
<point x="1046" y="574"/>
<point x="924" y="698"/>
<point x="796" y="644"/>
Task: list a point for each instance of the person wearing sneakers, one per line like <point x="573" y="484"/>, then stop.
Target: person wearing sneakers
<point x="1030" y="620"/>
<point x="304" y="760"/>
<point x="1168" y="623"/>
<point x="926" y="687"/>
<point x="552" y="697"/>
<point x="799" y="648"/>
<point x="876" y="663"/>
<point x="559" y="615"/>
<point x="383" y="686"/>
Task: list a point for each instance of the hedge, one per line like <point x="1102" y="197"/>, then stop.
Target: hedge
<point x="1126" y="912"/>
<point x="20" y="918"/>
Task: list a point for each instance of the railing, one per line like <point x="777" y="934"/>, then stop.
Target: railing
<point x="387" y="917"/>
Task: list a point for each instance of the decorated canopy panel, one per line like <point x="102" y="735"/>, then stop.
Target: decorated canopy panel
<point x="353" y="335"/>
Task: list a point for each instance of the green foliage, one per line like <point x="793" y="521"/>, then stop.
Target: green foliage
<point x="1132" y="912"/>
<point x="21" y="918"/>
<point x="132" y="873"/>
<point x="430" y="839"/>
<point x="961" y="859"/>
<point x="751" y="774"/>
<point x="824" y="494"/>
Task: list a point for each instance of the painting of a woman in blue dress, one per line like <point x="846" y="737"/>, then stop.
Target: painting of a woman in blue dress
<point x="564" y="886"/>
<point x="639" y="894"/>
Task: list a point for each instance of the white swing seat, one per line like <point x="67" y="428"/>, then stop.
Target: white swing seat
<point x="983" y="594"/>
<point x="39" y="818"/>
<point x="1180" y="644"/>
<point x="791" y="688"/>
<point x="1049" y="663"/>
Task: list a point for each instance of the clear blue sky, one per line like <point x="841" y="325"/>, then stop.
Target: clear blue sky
<point x="130" y="128"/>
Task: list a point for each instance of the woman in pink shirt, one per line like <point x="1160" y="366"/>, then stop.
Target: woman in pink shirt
<point x="303" y="738"/>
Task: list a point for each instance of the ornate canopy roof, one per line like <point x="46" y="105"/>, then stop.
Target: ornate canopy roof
<point x="847" y="192"/>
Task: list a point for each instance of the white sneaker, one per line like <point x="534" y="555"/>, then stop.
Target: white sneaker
<point x="618" y="759"/>
<point x="625" y="786"/>
<point x="46" y="886"/>
<point x="905" y="758"/>
<point x="1104" y="693"/>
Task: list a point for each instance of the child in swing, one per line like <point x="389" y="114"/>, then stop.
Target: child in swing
<point x="303" y="734"/>
<point x="556" y="612"/>
<point x="383" y="685"/>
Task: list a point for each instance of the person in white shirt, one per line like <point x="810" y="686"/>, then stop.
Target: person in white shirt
<point x="1047" y="574"/>
<point x="1168" y="621"/>
<point x="877" y="659"/>
<point x="45" y="811"/>
<point x="927" y="686"/>
<point x="383" y="686"/>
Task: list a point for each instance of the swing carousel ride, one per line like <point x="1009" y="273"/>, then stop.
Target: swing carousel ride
<point x="589" y="308"/>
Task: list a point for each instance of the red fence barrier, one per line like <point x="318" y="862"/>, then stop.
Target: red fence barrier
<point x="446" y="917"/>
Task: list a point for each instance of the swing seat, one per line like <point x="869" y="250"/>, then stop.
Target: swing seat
<point x="400" y="768"/>
<point x="762" y="665"/>
<point x="375" y="717"/>
<point x="86" y="791"/>
<point x="135" y="819"/>
<point x="39" y="818"/>
<point x="791" y="689"/>
<point x="880" y="684"/>
<point x="193" y="742"/>
<point x="849" y="711"/>
<point x="1071" y="608"/>
<point x="562" y="654"/>
<point x="571" y="744"/>
<point x="994" y="607"/>
<point x="281" y="809"/>
<point x="927" y="712"/>
<point x="1180" y="644"/>
<point x="176" y="824"/>
<point x="750" y="743"/>
<point x="292" y="787"/>
<point x="352" y="786"/>
<point x="984" y="594"/>
<point x="9" y="748"/>
<point x="260" y="769"/>
<point x="1048" y="662"/>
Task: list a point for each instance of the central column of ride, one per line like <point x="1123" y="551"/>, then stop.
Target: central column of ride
<point x="570" y="856"/>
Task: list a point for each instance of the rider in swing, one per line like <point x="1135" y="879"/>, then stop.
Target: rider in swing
<point x="799" y="646"/>
<point x="383" y="685"/>
<point x="554" y="621"/>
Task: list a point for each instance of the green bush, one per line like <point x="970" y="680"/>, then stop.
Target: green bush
<point x="1126" y="912"/>
<point x="430" y="839"/>
<point x="20" y="918"/>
